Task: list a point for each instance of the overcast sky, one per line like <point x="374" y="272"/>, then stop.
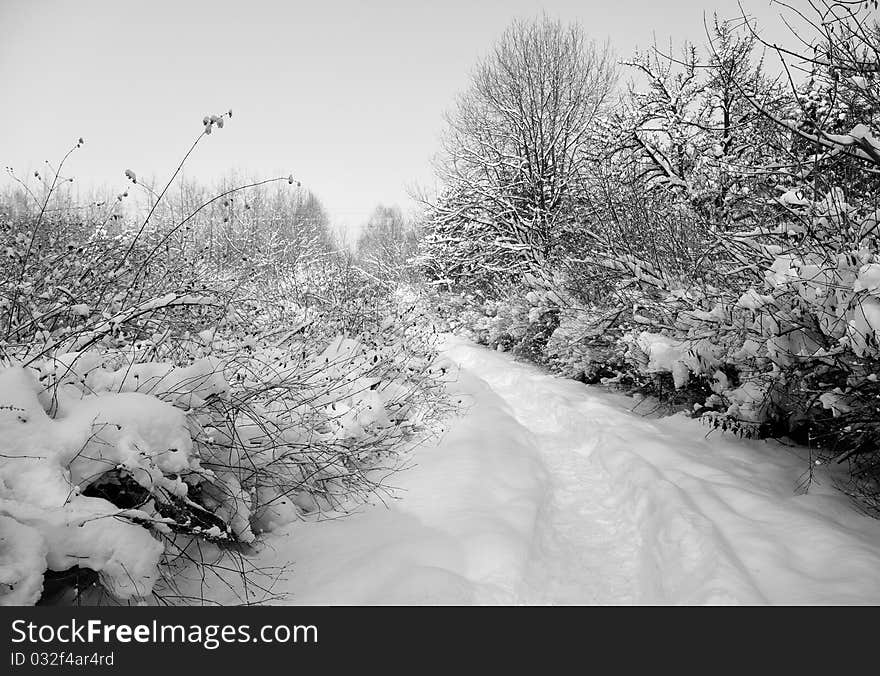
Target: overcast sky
<point x="349" y="96"/>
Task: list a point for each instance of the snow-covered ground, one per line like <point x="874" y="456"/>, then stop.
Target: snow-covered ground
<point x="549" y="492"/>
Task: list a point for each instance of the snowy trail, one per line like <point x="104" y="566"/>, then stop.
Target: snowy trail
<point x="709" y="520"/>
<point x="547" y="491"/>
<point x="583" y="550"/>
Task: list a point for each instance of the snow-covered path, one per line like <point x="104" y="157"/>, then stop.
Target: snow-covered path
<point x="583" y="549"/>
<point x="546" y="491"/>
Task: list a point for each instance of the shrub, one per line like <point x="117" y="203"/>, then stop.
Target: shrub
<point x="162" y="402"/>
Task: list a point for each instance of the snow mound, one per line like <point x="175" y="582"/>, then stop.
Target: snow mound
<point x="45" y="464"/>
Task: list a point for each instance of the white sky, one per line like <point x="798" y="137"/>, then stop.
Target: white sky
<point x="349" y="96"/>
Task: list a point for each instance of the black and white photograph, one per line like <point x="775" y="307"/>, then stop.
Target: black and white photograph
<point x="422" y="303"/>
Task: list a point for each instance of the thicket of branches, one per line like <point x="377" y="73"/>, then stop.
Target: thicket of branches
<point x="709" y="236"/>
<point x="178" y="376"/>
<point x="387" y="246"/>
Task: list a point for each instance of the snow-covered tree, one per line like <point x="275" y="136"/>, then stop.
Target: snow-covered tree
<point x="693" y="128"/>
<point x="513" y="154"/>
<point x="387" y="243"/>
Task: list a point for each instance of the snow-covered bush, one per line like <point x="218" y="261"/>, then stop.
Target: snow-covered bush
<point x="162" y="403"/>
<point x="520" y="323"/>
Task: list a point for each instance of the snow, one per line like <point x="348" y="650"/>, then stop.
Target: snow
<point x="752" y="300"/>
<point x="187" y="386"/>
<point x="782" y="271"/>
<point x="665" y="355"/>
<point x="45" y="461"/>
<point x="747" y="402"/>
<point x="547" y="492"/>
<point x="864" y="327"/>
<point x="22" y="562"/>
<point x="460" y="531"/>
<point x="793" y="198"/>
<point x="680" y="358"/>
<point x="868" y="279"/>
<point x="834" y="401"/>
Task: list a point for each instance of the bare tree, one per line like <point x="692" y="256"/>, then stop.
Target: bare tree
<point x="514" y="150"/>
<point x="387" y="243"/>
